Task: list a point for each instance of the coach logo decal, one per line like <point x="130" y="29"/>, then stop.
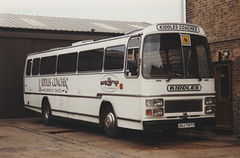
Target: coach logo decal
<point x="109" y="83"/>
<point x="184" y="88"/>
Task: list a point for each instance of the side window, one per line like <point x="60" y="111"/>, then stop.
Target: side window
<point x="202" y="61"/>
<point x="35" y="68"/>
<point x="114" y="57"/>
<point x="48" y="65"/>
<point x="28" y="68"/>
<point x="67" y="63"/>
<point x="132" y="69"/>
<point x="90" y="60"/>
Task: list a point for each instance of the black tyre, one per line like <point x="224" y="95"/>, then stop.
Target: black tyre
<point x="47" y="114"/>
<point x="110" y="123"/>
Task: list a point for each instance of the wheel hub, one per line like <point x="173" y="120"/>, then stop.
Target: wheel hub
<point x="46" y="115"/>
<point x="110" y="120"/>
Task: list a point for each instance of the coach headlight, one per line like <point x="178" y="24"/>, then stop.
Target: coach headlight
<point x="210" y="101"/>
<point x="158" y="112"/>
<point x="210" y="109"/>
<point x="158" y="102"/>
<point x="149" y="103"/>
<point x="154" y="102"/>
<point x="155" y="112"/>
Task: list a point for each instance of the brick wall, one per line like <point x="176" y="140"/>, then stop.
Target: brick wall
<point x="221" y="21"/>
<point x="219" y="18"/>
<point x="236" y="93"/>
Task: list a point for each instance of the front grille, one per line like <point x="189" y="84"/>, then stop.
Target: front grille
<point x="183" y="106"/>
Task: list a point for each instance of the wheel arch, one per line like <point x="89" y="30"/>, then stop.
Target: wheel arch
<point x="45" y="102"/>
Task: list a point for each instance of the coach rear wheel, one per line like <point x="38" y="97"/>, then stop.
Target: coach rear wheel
<point x="47" y="115"/>
<point x="110" y="123"/>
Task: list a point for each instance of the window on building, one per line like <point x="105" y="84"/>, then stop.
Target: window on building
<point x="35" y="68"/>
<point x="67" y="63"/>
<point x="90" y="60"/>
<point x="48" y="65"/>
<point x="114" y="57"/>
<point x="29" y="65"/>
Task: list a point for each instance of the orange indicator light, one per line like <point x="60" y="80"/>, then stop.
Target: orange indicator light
<point x="149" y="112"/>
<point x="121" y="86"/>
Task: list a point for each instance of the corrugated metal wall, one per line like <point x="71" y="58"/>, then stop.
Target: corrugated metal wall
<point x="13" y="51"/>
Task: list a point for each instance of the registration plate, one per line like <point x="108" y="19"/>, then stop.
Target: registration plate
<point x="186" y="125"/>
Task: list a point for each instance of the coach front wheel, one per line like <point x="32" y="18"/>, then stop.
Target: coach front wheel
<point x="110" y="123"/>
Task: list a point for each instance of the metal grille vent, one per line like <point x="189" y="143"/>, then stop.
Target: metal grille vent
<point x="183" y="106"/>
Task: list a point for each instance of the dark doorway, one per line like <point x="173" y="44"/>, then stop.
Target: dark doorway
<point x="222" y="72"/>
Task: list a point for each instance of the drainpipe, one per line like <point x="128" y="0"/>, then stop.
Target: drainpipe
<point x="184" y="7"/>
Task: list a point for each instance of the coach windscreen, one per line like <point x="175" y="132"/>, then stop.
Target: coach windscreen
<point x="174" y="55"/>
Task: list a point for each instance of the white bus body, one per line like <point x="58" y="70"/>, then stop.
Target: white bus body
<point x="156" y="78"/>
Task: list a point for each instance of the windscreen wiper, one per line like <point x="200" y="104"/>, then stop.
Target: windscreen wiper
<point x="173" y="75"/>
<point x="199" y="78"/>
<point x="195" y="76"/>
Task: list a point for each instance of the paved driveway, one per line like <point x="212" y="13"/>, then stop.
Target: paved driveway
<point x="22" y="138"/>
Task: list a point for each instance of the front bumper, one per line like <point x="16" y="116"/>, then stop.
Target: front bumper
<point x="173" y="124"/>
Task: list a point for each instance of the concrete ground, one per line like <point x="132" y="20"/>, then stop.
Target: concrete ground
<point x="29" y="138"/>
